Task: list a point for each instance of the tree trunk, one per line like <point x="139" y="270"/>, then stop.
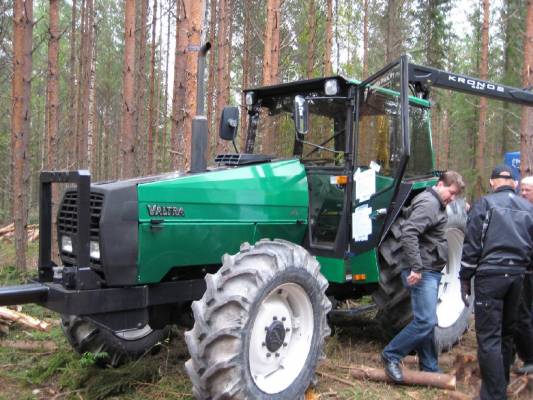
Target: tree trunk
<point x="91" y="93"/>
<point x="178" y="98"/>
<point x="483" y="74"/>
<point x="365" y="39"/>
<point x="247" y="40"/>
<point x="274" y="71"/>
<point x="128" y="97"/>
<point x="222" y="36"/>
<point x="271" y="60"/>
<point x="271" y="43"/>
<point x="311" y="21"/>
<point x="394" y="37"/>
<point x="83" y="87"/>
<point x="151" y="111"/>
<point x="52" y="86"/>
<point x="526" y="128"/>
<point x="52" y="103"/>
<point x="79" y="87"/>
<point x="164" y="147"/>
<point x="71" y="128"/>
<point x="140" y="83"/>
<point x="211" y="84"/>
<point x="20" y="122"/>
<point x="328" y="69"/>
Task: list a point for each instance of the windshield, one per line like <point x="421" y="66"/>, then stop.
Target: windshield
<point x="324" y="143"/>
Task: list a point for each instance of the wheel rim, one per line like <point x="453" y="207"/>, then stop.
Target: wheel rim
<point x="450" y="306"/>
<point x="134" y="334"/>
<point x="281" y="338"/>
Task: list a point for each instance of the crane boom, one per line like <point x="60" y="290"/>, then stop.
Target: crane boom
<point x="424" y="77"/>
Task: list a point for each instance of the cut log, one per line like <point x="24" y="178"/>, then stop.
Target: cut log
<point x="23" y="319"/>
<point x="30" y="345"/>
<point x="442" y="381"/>
<point x="448" y="360"/>
<point x="7" y="228"/>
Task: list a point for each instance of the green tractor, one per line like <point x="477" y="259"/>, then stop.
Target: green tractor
<point x="255" y="248"/>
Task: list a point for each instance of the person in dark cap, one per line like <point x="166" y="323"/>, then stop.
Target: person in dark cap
<point x="497" y="250"/>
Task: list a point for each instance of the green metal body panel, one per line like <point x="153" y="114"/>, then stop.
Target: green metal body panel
<point x="367" y="264"/>
<point x="221" y="209"/>
<point x="334" y="269"/>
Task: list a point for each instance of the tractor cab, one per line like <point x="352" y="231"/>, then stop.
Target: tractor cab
<point x="353" y="139"/>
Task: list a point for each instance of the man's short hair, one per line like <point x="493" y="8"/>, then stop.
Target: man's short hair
<point x="450" y="178"/>
<point x="528" y="180"/>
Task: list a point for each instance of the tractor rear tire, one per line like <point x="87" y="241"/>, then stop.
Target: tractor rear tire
<point x="260" y="327"/>
<point x="113" y="348"/>
<point x="394" y="302"/>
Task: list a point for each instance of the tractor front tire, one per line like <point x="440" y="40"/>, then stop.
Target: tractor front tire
<point x="260" y="327"/>
<point x="112" y="348"/>
<point x="393" y="299"/>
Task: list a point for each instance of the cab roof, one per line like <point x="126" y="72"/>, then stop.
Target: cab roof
<point x="317" y="85"/>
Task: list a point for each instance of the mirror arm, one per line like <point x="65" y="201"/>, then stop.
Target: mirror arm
<point x="235" y="146"/>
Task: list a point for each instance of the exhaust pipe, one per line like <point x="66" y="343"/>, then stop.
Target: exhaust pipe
<point x="199" y="122"/>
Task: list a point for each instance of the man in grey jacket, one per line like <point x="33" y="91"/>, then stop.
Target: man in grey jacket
<point x="425" y="253"/>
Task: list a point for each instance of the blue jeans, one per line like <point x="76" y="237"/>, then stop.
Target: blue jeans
<point x="418" y="334"/>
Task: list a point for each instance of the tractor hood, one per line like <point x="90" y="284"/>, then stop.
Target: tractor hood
<point x="192" y="220"/>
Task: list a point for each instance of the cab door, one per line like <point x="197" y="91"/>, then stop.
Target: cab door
<point x="381" y="152"/>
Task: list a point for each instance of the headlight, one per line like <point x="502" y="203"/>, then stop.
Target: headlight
<point x="249" y="99"/>
<point x="331" y="87"/>
<point x="66" y="244"/>
<point x="94" y="250"/>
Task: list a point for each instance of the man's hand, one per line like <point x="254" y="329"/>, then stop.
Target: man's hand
<point x="465" y="291"/>
<point x="414" y="278"/>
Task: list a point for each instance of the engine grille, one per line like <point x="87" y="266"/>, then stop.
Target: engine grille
<point x="67" y="223"/>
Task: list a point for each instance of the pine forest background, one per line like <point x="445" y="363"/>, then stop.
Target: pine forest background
<point x="110" y="86"/>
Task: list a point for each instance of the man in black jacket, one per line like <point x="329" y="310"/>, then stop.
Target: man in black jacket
<point x="497" y="250"/>
<point x="424" y="253"/>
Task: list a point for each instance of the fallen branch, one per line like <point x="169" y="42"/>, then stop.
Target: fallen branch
<point x="335" y="378"/>
<point x="29" y="345"/>
<point x="517" y="386"/>
<point x="23" y="319"/>
<point x="443" y="381"/>
<point x="455" y="395"/>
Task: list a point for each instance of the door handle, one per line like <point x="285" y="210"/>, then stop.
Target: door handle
<point x="380" y="212"/>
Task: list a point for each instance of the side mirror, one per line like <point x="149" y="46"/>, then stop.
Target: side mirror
<point x="229" y="122"/>
<point x="301" y="115"/>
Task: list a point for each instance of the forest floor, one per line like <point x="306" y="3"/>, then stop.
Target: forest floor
<point x="54" y="371"/>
